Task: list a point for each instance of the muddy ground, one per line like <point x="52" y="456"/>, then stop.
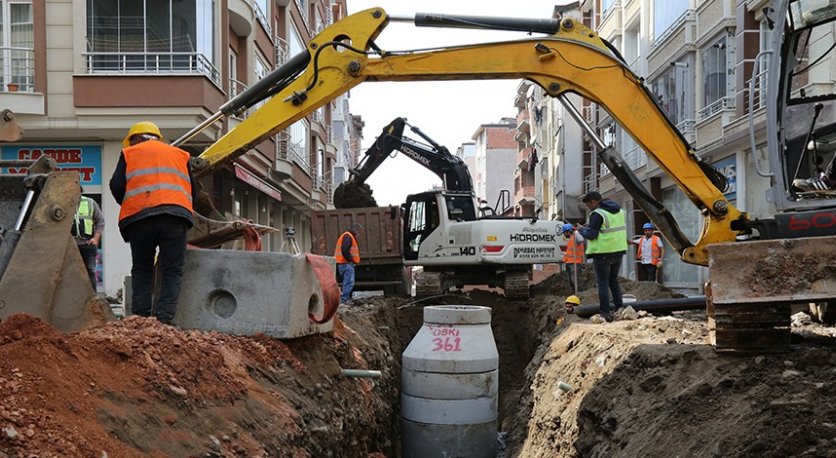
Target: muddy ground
<point x="648" y="387"/>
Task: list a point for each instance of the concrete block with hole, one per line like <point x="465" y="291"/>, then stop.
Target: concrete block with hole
<point x="250" y="292"/>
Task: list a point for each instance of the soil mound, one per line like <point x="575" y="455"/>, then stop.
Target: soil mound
<point x="654" y="387"/>
<point x="354" y="195"/>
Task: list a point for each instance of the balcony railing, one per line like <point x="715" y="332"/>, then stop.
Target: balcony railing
<point x="155" y="63"/>
<point x="721" y="104"/>
<point x="635" y="158"/>
<point x="667" y="33"/>
<point x="757" y="96"/>
<point x="608" y="12"/>
<point x="590" y="183"/>
<point x="262" y="19"/>
<point x="282" y="51"/>
<point x="17" y="69"/>
<point x="688" y="129"/>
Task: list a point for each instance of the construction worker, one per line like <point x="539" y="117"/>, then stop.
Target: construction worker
<point x="606" y="238"/>
<point x="649" y="252"/>
<point x="573" y="257"/>
<point x="88" y="226"/>
<point x="154" y="186"/>
<point x="347" y="254"/>
<point x="572" y="302"/>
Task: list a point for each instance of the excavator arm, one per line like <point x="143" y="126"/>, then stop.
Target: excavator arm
<point x="451" y="169"/>
<point x="571" y="59"/>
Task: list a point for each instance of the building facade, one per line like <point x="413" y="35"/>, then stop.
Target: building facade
<point x="79" y="74"/>
<point x="495" y="164"/>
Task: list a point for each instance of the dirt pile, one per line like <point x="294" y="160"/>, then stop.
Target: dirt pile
<point x="354" y="195"/>
<point x="137" y="388"/>
<point x="654" y="387"/>
<point x="648" y="387"/>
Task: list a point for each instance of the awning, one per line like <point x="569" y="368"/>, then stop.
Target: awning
<point x="251" y="179"/>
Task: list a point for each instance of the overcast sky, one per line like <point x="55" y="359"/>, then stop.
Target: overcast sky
<point x="449" y="112"/>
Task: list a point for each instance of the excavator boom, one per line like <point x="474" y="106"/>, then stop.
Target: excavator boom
<point x="573" y="59"/>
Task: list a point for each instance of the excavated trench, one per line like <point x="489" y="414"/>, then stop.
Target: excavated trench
<point x="646" y="387"/>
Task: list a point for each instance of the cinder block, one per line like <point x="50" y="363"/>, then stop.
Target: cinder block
<point x="250" y="292"/>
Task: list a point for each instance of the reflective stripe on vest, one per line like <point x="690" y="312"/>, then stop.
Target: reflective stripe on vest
<point x="83" y="224"/>
<point x="612" y="237"/>
<point x="355" y="250"/>
<point x="655" y="250"/>
<point x="155" y="174"/>
<point x="574" y="251"/>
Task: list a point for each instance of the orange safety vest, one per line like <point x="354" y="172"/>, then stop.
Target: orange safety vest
<point x="355" y="250"/>
<point x="155" y="174"/>
<point x="655" y="250"/>
<point x="574" y="252"/>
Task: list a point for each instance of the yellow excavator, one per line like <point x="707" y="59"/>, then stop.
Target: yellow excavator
<point x="757" y="267"/>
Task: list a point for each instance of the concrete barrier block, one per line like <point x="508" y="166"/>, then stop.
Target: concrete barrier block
<point x="250" y="292"/>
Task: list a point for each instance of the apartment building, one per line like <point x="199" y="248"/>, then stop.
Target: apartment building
<point x="697" y="57"/>
<point x="79" y="74"/>
<point x="495" y="164"/>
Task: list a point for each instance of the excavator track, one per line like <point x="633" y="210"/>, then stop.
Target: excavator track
<point x="516" y="285"/>
<point x="428" y="284"/>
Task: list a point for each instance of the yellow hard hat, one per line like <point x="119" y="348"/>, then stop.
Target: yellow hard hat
<point x="573" y="300"/>
<point x="142" y="127"/>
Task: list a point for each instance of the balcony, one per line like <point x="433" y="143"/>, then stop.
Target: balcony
<point x="17" y="69"/>
<point x="523" y="156"/>
<point x="262" y="19"/>
<point x="688" y="130"/>
<point x="282" y="167"/>
<point x="635" y="158"/>
<point x="157" y="63"/>
<point x="719" y="105"/>
<point x="687" y="15"/>
<point x="282" y="51"/>
<point x="757" y="96"/>
<point x="524" y="195"/>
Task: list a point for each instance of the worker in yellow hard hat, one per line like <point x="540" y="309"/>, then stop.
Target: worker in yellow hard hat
<point x="142" y="130"/>
<point x="572" y="302"/>
<point x="153" y="184"/>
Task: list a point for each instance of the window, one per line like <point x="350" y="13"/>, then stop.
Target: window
<point x="673" y="90"/>
<point x="716" y="77"/>
<point x="141" y="36"/>
<point x="606" y="4"/>
<point x="297" y="144"/>
<point x="666" y="14"/>
<point x="17" y="46"/>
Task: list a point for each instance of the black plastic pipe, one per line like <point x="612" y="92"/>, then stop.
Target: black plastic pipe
<point x="652" y="306"/>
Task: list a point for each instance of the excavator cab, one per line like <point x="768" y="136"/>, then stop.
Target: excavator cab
<point x="801" y="126"/>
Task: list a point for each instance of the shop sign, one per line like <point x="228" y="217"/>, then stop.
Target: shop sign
<point x="86" y="160"/>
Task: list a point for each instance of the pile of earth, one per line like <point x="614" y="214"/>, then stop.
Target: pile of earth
<point x="350" y="194"/>
<point x="649" y="387"/>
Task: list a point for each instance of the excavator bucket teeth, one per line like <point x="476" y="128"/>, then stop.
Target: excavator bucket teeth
<point x="751" y="289"/>
<point x="46" y="276"/>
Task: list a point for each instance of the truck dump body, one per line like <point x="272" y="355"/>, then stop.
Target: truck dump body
<point x="380" y="240"/>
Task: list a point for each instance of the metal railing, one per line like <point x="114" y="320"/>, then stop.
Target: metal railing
<point x="688" y="129"/>
<point x="17" y="69"/>
<point x="759" y="92"/>
<point x="299" y="155"/>
<point x="590" y="182"/>
<point x="608" y="12"/>
<point x="156" y="63"/>
<point x="635" y="158"/>
<point x="280" y="140"/>
<point x="721" y="104"/>
<point x="262" y="18"/>
<point x="282" y="51"/>
<point x="668" y="32"/>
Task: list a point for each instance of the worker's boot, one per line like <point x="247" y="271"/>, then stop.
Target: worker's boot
<point x="821" y="183"/>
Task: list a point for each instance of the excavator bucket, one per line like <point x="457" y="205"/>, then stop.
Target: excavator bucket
<point x="42" y="270"/>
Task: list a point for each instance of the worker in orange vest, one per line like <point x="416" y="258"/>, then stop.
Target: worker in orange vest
<point x="573" y="257"/>
<point x="649" y="252"/>
<point x="153" y="184"/>
<point x="347" y="254"/>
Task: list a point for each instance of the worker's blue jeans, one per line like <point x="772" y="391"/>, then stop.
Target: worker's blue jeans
<point x="169" y="234"/>
<point x="347" y="274"/>
<point x="606" y="268"/>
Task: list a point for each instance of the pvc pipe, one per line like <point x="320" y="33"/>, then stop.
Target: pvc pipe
<point x="361" y="373"/>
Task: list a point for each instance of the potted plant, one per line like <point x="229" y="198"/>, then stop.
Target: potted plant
<point x="13" y="87"/>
